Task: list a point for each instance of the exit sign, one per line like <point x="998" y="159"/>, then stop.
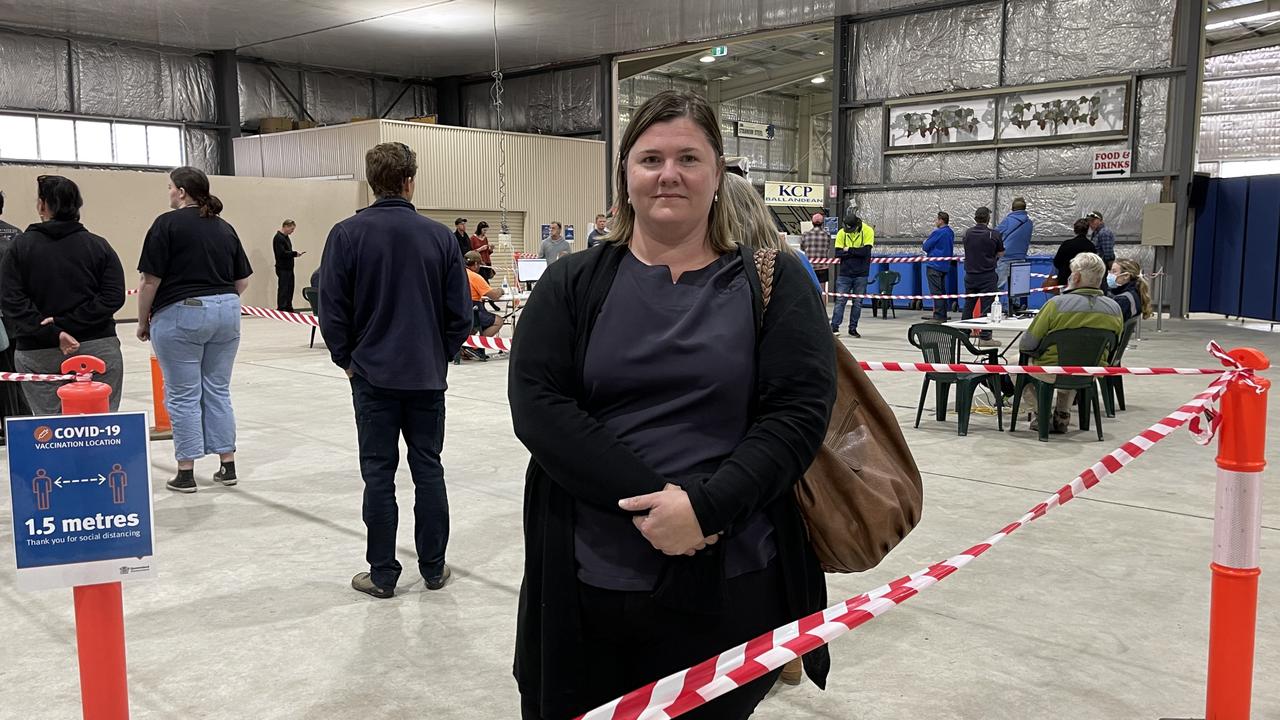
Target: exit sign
<point x="720" y="51"/>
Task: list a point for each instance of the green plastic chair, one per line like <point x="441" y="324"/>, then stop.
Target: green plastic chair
<point x="1113" y="385"/>
<point x="1079" y="346"/>
<point x="942" y="344"/>
<point x="886" y="281"/>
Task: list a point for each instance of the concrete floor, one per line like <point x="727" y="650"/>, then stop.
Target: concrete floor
<point x="1097" y="611"/>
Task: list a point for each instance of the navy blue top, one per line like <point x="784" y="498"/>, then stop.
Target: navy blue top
<point x="670" y="369"/>
<point x="981" y="244"/>
<point x="395" y="307"/>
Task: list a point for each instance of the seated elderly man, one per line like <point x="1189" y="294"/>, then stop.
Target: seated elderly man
<point x="1083" y="305"/>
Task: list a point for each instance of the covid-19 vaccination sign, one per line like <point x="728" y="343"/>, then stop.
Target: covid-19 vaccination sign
<point x="80" y="487"/>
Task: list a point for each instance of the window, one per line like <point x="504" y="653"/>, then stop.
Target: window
<point x="164" y="145"/>
<point x="18" y="138"/>
<point x="131" y="144"/>
<point x="1244" y="168"/>
<point x="93" y="141"/>
<point x="57" y="139"/>
<point x="50" y="138"/>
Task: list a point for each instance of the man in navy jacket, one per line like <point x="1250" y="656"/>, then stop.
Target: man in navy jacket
<point x="395" y="310"/>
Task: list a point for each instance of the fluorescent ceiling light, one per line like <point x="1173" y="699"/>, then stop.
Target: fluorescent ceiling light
<point x="1252" y="18"/>
<point x="818" y="80"/>
<point x="706" y="59"/>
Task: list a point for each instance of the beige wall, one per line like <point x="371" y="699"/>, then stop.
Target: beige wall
<point x="548" y="178"/>
<point x="120" y="206"/>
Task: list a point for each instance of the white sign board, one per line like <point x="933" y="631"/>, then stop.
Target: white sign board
<point x="1110" y="164"/>
<point x="758" y="131"/>
<point x="802" y="194"/>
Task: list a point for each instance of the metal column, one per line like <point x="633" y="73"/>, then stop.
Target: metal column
<point x="607" y="88"/>
<point x="226" y="88"/>
<point x="840" y="78"/>
<point x="1184" y="133"/>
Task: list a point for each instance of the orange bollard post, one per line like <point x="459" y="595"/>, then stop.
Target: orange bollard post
<point x="163" y="429"/>
<point x="104" y="686"/>
<point x="1237" y="535"/>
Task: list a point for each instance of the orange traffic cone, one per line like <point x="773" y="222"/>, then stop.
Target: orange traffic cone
<point x="163" y="429"/>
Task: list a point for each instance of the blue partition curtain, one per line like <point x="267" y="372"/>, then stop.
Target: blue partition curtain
<point x="1236" y="254"/>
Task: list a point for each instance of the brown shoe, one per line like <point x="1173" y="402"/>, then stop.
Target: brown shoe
<point x="362" y="582"/>
<point x="792" y="673"/>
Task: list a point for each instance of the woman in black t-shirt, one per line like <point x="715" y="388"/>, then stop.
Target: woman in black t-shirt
<point x="194" y="270"/>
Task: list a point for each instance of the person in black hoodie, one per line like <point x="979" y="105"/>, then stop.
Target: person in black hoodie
<point x="62" y="286"/>
<point x="668" y="417"/>
<point x="1069" y="249"/>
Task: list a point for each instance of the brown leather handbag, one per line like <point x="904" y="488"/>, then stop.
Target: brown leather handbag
<point x="863" y="493"/>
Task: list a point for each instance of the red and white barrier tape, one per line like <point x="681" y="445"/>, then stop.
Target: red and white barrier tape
<point x="872" y="296"/>
<point x="481" y="342"/>
<point x="1027" y="369"/>
<point x="889" y="259"/>
<point x="291" y="317"/>
<point x="501" y="344"/>
<point x="475" y="341"/>
<point x="683" y="691"/>
<point x="37" y="377"/>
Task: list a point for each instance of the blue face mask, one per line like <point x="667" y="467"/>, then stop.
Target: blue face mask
<point x="1111" y="280"/>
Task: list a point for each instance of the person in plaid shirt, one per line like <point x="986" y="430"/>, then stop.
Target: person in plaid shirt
<point x="816" y="243"/>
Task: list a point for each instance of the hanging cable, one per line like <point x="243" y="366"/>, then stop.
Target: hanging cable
<point x="495" y="96"/>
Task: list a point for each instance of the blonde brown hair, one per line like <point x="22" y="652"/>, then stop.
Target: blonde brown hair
<point x="1134" y="271"/>
<point x="666" y="106"/>
<point x="756" y="228"/>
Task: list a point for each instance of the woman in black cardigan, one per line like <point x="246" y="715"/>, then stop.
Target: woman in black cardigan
<point x="668" y="419"/>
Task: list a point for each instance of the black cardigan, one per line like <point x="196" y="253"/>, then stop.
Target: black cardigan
<point x="575" y="457"/>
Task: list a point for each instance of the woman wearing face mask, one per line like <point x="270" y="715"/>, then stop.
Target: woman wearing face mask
<point x="1129" y="289"/>
<point x="194" y="270"/>
<point x="668" y="419"/>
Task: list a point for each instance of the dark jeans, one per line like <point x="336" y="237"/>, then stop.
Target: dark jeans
<point x="635" y="641"/>
<point x="980" y="283"/>
<point x="852" y="285"/>
<point x="382" y="416"/>
<point x="938" y="286"/>
<point x="284" y="296"/>
<point x="13" y="402"/>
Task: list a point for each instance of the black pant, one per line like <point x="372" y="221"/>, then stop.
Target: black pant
<point x="938" y="286"/>
<point x="980" y="283"/>
<point x="636" y="641"/>
<point x="382" y="416"/>
<point x="284" y="296"/>
<point x="13" y="403"/>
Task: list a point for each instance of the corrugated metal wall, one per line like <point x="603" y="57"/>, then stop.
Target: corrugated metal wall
<point x="320" y="152"/>
<point x="1241" y="108"/>
<point x="548" y="178"/>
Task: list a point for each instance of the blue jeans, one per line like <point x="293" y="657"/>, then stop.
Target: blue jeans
<point x="382" y="416"/>
<point x="196" y="345"/>
<point x="846" y="284"/>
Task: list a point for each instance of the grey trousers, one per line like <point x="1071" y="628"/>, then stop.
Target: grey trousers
<point x="43" y="396"/>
